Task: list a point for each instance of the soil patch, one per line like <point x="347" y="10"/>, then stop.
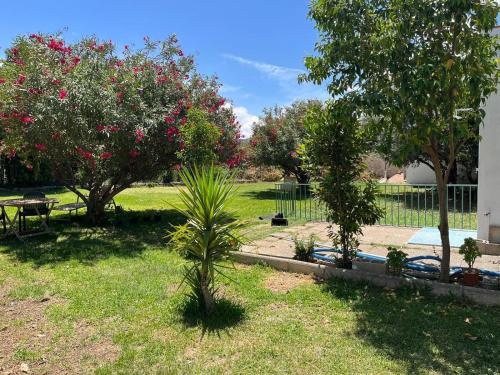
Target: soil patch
<point x="283" y="282"/>
<point x="31" y="344"/>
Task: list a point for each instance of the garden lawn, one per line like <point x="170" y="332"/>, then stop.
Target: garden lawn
<point x="106" y="301"/>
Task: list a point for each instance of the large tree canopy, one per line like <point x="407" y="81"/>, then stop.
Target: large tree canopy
<point x="277" y="136"/>
<point x="422" y="69"/>
<point x="104" y="119"/>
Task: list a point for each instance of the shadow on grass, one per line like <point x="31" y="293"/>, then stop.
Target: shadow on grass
<point x="7" y="192"/>
<point x="426" y="333"/>
<point x="227" y="314"/>
<point x="124" y="235"/>
<point x="300" y="194"/>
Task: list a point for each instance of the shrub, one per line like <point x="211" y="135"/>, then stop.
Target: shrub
<point x="210" y="232"/>
<point x="337" y="144"/>
<point x="304" y="249"/>
<point x="396" y="260"/>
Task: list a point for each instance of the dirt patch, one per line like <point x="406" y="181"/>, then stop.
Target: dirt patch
<point x="25" y="334"/>
<point x="30" y="344"/>
<point x="283" y="282"/>
<point x="92" y="346"/>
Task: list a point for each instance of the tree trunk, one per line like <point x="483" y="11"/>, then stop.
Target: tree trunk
<point x="95" y="209"/>
<point x="302" y="177"/>
<point x="208" y="298"/>
<point x="444" y="229"/>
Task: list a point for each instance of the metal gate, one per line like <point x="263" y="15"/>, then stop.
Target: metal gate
<point x="403" y="205"/>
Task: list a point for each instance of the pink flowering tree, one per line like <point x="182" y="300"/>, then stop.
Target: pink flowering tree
<point x="102" y="119"/>
<point x="277" y="136"/>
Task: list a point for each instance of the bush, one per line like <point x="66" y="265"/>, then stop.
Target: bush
<point x="266" y="174"/>
<point x="304" y="249"/>
<point x="396" y="260"/>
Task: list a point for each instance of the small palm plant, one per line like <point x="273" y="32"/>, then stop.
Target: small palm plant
<point x="210" y="231"/>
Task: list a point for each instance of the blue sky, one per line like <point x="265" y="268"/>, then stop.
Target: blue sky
<point x="256" y="47"/>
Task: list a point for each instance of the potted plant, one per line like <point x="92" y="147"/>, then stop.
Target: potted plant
<point x="396" y="260"/>
<point x="470" y="252"/>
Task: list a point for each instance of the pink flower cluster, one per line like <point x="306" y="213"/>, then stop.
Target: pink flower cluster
<point x="139" y="136"/>
<point x="172" y="132"/>
<point x="234" y="161"/>
<point x="84" y="153"/>
<point x="216" y="106"/>
<point x="110" y="128"/>
<point x="40" y="146"/>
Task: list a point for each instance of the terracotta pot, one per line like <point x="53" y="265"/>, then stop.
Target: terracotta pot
<point x="471" y="277"/>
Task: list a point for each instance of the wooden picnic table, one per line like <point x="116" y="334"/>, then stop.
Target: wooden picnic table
<point x="33" y="203"/>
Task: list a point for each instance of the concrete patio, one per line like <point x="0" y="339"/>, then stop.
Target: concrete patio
<point x="375" y="240"/>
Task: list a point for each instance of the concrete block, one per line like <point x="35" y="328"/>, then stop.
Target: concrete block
<point x="477" y="295"/>
<point x="482" y="296"/>
<point x="488" y="248"/>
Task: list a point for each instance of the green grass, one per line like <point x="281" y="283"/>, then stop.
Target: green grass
<point x="116" y="288"/>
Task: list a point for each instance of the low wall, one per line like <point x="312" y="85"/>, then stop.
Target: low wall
<point x="477" y="295"/>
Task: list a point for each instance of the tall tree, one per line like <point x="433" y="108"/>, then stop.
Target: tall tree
<point x="102" y="119"/>
<point x="422" y="68"/>
<point x="277" y="136"/>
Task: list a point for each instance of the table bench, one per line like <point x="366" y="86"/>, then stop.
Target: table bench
<point x="19" y="204"/>
<point x="70" y="207"/>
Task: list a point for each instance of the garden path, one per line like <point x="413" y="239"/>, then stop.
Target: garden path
<point x="375" y="240"/>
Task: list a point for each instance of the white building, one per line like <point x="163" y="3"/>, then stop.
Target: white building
<point x="488" y="205"/>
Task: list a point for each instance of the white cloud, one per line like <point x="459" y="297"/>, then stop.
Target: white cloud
<point x="286" y="78"/>
<point x="275" y="71"/>
<point x="245" y="118"/>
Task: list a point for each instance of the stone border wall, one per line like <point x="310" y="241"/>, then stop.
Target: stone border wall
<point x="477" y="295"/>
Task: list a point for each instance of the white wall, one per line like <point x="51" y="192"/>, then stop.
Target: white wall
<point x="420" y="174"/>
<point x="488" y="200"/>
<point x="488" y="205"/>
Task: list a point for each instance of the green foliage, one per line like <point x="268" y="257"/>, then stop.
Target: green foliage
<point x="470" y="251"/>
<point x="277" y="136"/>
<point x="200" y="139"/>
<point x="420" y="69"/>
<point x="337" y="144"/>
<point x="210" y="231"/>
<point x="396" y="260"/>
<point x="100" y="118"/>
<point x="304" y="249"/>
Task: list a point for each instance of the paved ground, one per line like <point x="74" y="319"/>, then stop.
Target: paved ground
<point x="375" y="241"/>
